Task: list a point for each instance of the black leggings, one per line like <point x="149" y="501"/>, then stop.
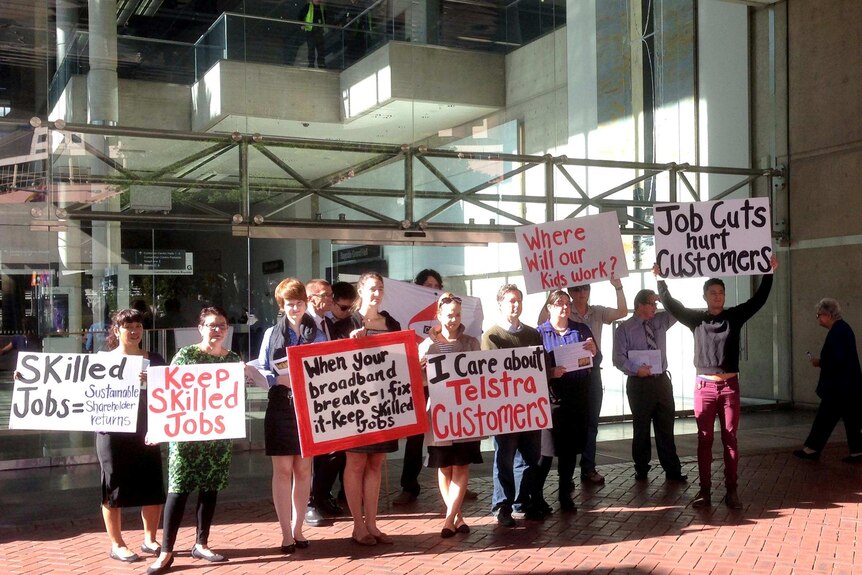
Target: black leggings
<point x="175" y="506"/>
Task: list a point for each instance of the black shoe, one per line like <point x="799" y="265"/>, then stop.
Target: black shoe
<point x="213" y="557"/>
<point x="404" y="498"/>
<point x="702" y="499"/>
<point x="446" y="533"/>
<point x="567" y="504"/>
<point x="288" y="549"/>
<point x="544" y="507"/>
<point x="677" y="478"/>
<point x="534" y="514"/>
<point x="330" y="507"/>
<point x="302" y="543"/>
<point x="463" y="528"/>
<point x="802" y="454"/>
<point x="853" y="459"/>
<point x="314" y="518"/>
<point x="470" y="495"/>
<point x="163" y="569"/>
<point x="593" y="477"/>
<point x="504" y="517"/>
<point x="127" y="559"/>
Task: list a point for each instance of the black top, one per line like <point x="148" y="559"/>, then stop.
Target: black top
<point x="716" y="337"/>
<point x="840" y="374"/>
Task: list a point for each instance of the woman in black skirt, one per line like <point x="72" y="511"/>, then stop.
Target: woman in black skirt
<point x="131" y="469"/>
<point x="291" y="472"/>
<point x="364" y="465"/>
<point x="452" y="459"/>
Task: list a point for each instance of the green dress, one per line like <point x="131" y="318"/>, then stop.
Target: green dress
<point x="203" y="465"/>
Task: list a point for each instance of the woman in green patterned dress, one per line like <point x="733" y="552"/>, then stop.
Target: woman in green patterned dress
<point x="201" y="465"/>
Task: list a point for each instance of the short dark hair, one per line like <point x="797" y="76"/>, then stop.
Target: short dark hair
<point x="556" y="296"/>
<point x="506" y="288"/>
<point x="712" y="282"/>
<point x="210" y="310"/>
<point x="120" y="318"/>
<point x="642" y="297"/>
<point x="343" y="290"/>
<point x="423" y="276"/>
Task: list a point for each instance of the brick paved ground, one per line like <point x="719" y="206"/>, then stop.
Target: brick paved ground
<point x="799" y="517"/>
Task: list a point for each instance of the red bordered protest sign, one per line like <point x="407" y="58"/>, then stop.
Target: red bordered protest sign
<point x="354" y="392"/>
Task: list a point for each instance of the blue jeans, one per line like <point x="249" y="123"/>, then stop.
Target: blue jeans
<point x="507" y="490"/>
<point x="588" y="457"/>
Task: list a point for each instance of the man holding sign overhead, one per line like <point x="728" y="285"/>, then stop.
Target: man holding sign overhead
<point x="716" y="359"/>
<point x="639" y="352"/>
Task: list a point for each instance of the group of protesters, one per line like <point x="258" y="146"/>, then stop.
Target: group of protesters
<point x="302" y="487"/>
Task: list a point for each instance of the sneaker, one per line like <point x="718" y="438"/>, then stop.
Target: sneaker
<point x="504" y="517"/>
<point x="593" y="477"/>
<point x="702" y="499"/>
<point x="404" y="498"/>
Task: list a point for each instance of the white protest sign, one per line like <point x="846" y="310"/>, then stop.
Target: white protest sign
<point x="479" y="393"/>
<point x="415" y="307"/>
<point x="719" y="238"/>
<point x="354" y="392"/>
<point x="571" y="252"/>
<point x="197" y="402"/>
<point x="76" y="392"/>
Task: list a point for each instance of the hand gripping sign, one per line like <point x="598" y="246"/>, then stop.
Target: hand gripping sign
<point x="355" y="392"/>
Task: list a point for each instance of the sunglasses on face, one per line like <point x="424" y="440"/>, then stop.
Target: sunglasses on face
<point x="343" y="307"/>
<point x="448" y="300"/>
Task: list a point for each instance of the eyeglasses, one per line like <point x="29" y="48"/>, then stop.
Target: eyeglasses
<point x="821" y="313"/>
<point x="561" y="304"/>
<point x="448" y="300"/>
<point x="216" y="326"/>
<point x="344" y="307"/>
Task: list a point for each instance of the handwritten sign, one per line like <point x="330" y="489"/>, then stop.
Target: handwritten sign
<point x="76" y="392"/>
<point x="720" y="238"/>
<point x="354" y="392"/>
<point x="571" y="252"/>
<point x="479" y="393"/>
<point x="196" y="402"/>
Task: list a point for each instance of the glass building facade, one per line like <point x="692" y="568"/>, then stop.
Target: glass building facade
<point x="168" y="155"/>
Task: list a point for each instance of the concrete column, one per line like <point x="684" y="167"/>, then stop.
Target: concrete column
<point x="67" y="24"/>
<point x="102" y="101"/>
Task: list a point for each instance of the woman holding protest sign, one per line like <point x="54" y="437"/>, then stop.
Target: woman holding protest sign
<point x="363" y="469"/>
<point x="131" y="468"/>
<point x="568" y="383"/>
<point x="291" y="472"/>
<point x="452" y="460"/>
<point x="201" y="465"/>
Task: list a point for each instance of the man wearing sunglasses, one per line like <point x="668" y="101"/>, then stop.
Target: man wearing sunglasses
<point x="321" y="504"/>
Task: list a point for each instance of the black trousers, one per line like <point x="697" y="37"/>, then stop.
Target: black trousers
<point x="326" y="469"/>
<point x="413" y="458"/>
<point x="651" y="401"/>
<point x="828" y="414"/>
<point x="175" y="506"/>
